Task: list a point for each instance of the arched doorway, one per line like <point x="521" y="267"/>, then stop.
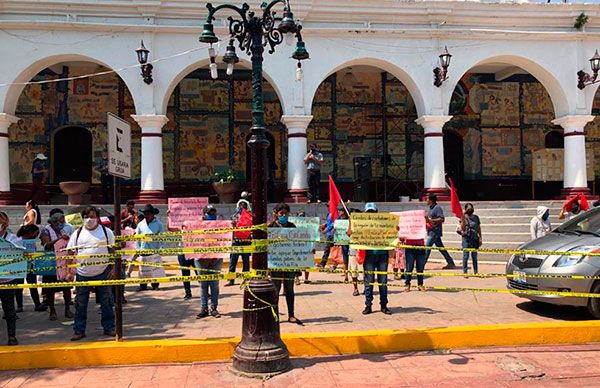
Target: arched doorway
<point x="454" y="158"/>
<point x="72" y="154"/>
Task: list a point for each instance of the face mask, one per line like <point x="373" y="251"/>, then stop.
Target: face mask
<point x="283" y="219"/>
<point x="240" y="211"/>
<point x="210" y="217"/>
<point x="61" y="226"/>
<point x="90" y="223"/>
<point x="545" y="216"/>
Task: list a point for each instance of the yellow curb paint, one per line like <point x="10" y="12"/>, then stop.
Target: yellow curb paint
<point x="299" y="344"/>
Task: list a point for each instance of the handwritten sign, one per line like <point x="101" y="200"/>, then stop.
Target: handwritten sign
<point x="340" y="226"/>
<point x="212" y="239"/>
<point x="147" y="271"/>
<point x="294" y="253"/>
<point x="374" y="231"/>
<point x="185" y="209"/>
<point x="75" y="220"/>
<point x="9" y="252"/>
<point x="412" y="224"/>
<point x="312" y="224"/>
<point x="129" y="245"/>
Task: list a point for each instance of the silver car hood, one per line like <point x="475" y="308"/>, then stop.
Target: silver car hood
<point x="560" y="242"/>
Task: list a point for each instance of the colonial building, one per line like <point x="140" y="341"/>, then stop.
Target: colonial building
<point x="509" y="120"/>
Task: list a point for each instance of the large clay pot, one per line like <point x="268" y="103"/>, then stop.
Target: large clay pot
<point x="74" y="191"/>
<point x="227" y="191"/>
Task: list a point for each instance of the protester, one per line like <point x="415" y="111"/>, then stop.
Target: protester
<point x="375" y="260"/>
<point x="106" y="179"/>
<point x="241" y="218"/>
<point x="38" y="178"/>
<point x="327" y="227"/>
<point x="131" y="266"/>
<point x="540" y="223"/>
<point x="5" y="232"/>
<point x="209" y="267"/>
<point x="150" y="225"/>
<point x="7" y="296"/>
<point x="470" y="230"/>
<point x="571" y="209"/>
<point x="32" y="214"/>
<point x="354" y="267"/>
<point x="91" y="239"/>
<point x="50" y="235"/>
<point x="399" y="263"/>
<point x="302" y="213"/>
<point x="28" y="232"/>
<point x="435" y="219"/>
<point x="345" y="248"/>
<point x="129" y="215"/>
<point x="64" y="226"/>
<point x="415" y="257"/>
<point x="281" y="212"/>
<point x="313" y="161"/>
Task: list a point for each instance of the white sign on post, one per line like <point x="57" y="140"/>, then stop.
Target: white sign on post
<point x="119" y="147"/>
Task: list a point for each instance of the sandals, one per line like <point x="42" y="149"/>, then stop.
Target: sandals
<point x="295" y="320"/>
<point x="407" y="289"/>
<point x="422" y="288"/>
<point x="355" y="293"/>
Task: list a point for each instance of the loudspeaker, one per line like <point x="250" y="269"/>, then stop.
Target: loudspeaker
<point x="362" y="169"/>
<point x="361" y="191"/>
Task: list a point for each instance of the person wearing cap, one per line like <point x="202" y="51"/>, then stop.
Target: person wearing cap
<point x="435" y="219"/>
<point x="209" y="267"/>
<point x="313" y="161"/>
<point x="150" y="225"/>
<point x="105" y="179"/>
<point x="375" y="260"/>
<point x="38" y="177"/>
<point x="240" y="238"/>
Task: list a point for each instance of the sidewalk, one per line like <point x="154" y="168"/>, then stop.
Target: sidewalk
<point x="163" y="314"/>
<point x="530" y="366"/>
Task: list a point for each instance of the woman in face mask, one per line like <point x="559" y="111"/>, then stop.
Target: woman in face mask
<point x="209" y="266"/>
<point x="540" y="223"/>
<point x="470" y="230"/>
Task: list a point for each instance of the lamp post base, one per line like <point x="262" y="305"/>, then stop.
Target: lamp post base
<point x="261" y="352"/>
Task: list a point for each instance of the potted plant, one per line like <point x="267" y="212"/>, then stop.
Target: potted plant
<point x="226" y="185"/>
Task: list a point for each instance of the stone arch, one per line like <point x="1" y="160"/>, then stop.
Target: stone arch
<point x="552" y="85"/>
<point x="400" y="74"/>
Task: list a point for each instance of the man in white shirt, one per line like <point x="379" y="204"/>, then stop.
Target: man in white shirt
<point x="91" y="239"/>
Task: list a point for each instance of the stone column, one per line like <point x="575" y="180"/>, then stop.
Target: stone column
<point x="152" y="181"/>
<point x="297" y="148"/>
<point x="434" y="181"/>
<point x="6" y="197"/>
<point x="575" y="179"/>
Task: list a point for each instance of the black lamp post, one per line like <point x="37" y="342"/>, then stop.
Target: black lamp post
<point x="142" y="55"/>
<point x="261" y="350"/>
<point x="441" y="74"/>
<point x="584" y="79"/>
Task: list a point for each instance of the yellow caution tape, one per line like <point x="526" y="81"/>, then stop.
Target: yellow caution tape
<point x="200" y="231"/>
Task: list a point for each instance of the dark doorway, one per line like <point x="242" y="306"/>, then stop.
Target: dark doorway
<point x="72" y="154"/>
<point x="454" y="158"/>
<point x="554" y="139"/>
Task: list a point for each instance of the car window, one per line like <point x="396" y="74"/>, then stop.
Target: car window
<point x="586" y="222"/>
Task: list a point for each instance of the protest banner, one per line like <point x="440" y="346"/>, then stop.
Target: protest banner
<point x="295" y="252"/>
<point x="411" y="225"/>
<point x="312" y="224"/>
<point x="211" y="240"/>
<point x="129" y="245"/>
<point x="75" y="220"/>
<point x="185" y="209"/>
<point x="151" y="272"/>
<point x="374" y="231"/>
<point x="10" y="252"/>
<point x="340" y="227"/>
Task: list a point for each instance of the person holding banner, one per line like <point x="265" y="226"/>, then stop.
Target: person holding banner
<point x="150" y="225"/>
<point x="281" y="213"/>
<point x="28" y="232"/>
<point x="208" y="266"/>
<point x="241" y="219"/>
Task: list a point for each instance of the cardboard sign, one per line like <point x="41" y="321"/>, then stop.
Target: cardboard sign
<point x="374" y="231"/>
<point x="185" y="209"/>
<point x="75" y="220"/>
<point x="220" y="239"/>
<point x="147" y="272"/>
<point x="10" y="252"/>
<point x="311" y="224"/>
<point x="340" y="226"/>
<point x="129" y="245"/>
<point x="294" y="253"/>
<point x="411" y="225"/>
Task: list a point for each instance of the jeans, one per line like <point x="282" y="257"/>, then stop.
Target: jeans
<point x="186" y="272"/>
<point x="436" y="240"/>
<point x="209" y="267"/>
<point x="7" y="298"/>
<point x="465" y="244"/>
<point x="376" y="262"/>
<point x="412" y="257"/>
<point x="104" y="294"/>
<point x="346" y="254"/>
<point x="314" y="180"/>
<point x="233" y="258"/>
<point x="35" y="295"/>
<point x="287" y="278"/>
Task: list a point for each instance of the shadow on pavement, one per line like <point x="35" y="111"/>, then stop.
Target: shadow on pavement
<point x="565" y="313"/>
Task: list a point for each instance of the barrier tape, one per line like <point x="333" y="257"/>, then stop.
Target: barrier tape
<point x="200" y="231"/>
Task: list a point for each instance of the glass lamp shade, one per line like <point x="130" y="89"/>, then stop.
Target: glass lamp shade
<point x="445" y="58"/>
<point x="595" y="62"/>
<point x="142" y="54"/>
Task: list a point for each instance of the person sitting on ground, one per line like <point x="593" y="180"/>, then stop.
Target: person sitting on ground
<point x="209" y="267"/>
<point x="540" y="223"/>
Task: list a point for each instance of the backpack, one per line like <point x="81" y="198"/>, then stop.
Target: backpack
<point x="471" y="234"/>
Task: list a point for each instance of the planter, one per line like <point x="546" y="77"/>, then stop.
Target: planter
<point x="227" y="191"/>
<point x="74" y="191"/>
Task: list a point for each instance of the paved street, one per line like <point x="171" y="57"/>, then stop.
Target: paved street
<point x="527" y="366"/>
<point x="324" y="307"/>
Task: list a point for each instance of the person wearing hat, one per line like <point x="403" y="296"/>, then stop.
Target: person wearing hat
<point x="209" y="267"/>
<point x="38" y="177"/>
<point x="150" y="225"/>
<point x="241" y="218"/>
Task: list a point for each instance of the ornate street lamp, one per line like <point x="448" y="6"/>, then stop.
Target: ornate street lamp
<point x="142" y="55"/>
<point x="584" y="79"/>
<point x="441" y="74"/>
<point x="261" y="350"/>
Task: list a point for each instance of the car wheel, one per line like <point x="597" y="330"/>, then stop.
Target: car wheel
<point x="594" y="303"/>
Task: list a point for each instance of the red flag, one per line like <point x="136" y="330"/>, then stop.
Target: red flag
<point x="244" y="220"/>
<point x="334" y="200"/>
<point x="454" y="201"/>
<point x="583" y="203"/>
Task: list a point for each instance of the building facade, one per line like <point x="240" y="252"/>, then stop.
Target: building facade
<point x="509" y="122"/>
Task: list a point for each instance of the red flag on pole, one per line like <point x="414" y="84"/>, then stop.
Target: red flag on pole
<point x="454" y="201"/>
<point x="583" y="203"/>
<point x="334" y="199"/>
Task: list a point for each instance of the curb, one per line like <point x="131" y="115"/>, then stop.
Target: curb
<point x="65" y="355"/>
